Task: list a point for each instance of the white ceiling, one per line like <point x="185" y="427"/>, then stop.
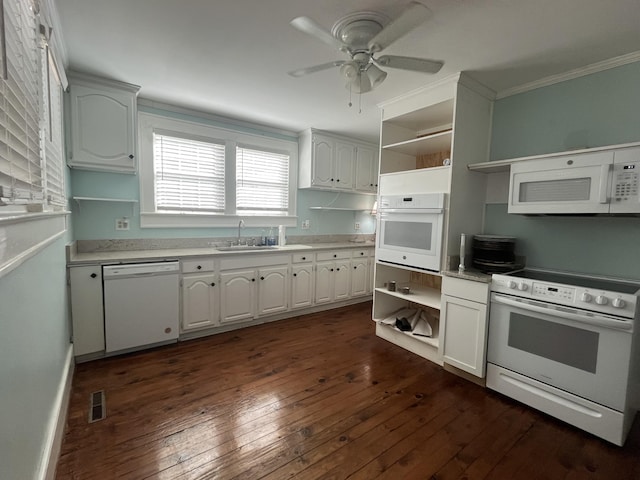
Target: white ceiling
<point x="230" y="57"/>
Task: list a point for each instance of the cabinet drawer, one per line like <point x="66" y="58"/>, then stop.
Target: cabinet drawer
<point x="302" y="257"/>
<point x="467" y="289"/>
<point x="365" y="252"/>
<point x="324" y="256"/>
<point x="197" y="265"/>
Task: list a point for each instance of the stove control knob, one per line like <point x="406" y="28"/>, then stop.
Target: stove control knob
<point x="511" y="284"/>
<point x="523" y="286"/>
<point x="586" y="297"/>
<point x="601" y="300"/>
<point x="618" y="303"/>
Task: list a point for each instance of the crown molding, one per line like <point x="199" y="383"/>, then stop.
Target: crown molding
<point x="572" y="74"/>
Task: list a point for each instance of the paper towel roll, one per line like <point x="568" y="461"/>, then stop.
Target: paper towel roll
<point x="282" y="238"/>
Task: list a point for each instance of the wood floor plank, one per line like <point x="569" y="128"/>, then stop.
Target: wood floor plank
<point x="317" y="396"/>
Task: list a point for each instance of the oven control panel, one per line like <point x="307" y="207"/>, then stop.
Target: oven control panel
<point x="553" y="292"/>
<point x="596" y="300"/>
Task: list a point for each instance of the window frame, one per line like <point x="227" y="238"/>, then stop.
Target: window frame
<point x="148" y="123"/>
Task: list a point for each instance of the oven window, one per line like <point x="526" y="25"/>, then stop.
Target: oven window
<point x="568" y="345"/>
<point x="408" y="234"/>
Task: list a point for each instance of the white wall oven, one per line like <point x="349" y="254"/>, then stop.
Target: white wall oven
<point x="564" y="344"/>
<point x="603" y="182"/>
<point x="410" y="230"/>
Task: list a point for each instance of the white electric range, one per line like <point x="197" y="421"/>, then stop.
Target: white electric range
<point x="565" y="344"/>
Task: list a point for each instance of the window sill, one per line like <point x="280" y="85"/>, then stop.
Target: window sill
<point x="184" y="220"/>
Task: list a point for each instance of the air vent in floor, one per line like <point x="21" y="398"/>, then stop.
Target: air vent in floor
<point x="97" y="408"/>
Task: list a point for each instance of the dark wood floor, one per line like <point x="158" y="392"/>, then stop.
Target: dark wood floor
<point x="318" y="396"/>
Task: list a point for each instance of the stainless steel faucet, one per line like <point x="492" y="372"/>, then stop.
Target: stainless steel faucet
<point x="240" y="226"/>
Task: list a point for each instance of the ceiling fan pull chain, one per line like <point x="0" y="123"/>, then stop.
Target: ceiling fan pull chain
<point x="350" y="104"/>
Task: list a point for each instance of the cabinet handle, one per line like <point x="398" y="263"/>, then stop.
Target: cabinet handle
<point x="335" y="256"/>
<point x="361" y="253"/>
<point x="131" y="156"/>
<point x="295" y="274"/>
<point x="261" y="278"/>
<point x="253" y="279"/>
<point x="371" y="184"/>
<point x="213" y="284"/>
<point x="332" y="179"/>
<point x="355" y="268"/>
<point x="304" y="258"/>
<point x="337" y="269"/>
<point x="199" y="267"/>
<point x="93" y="275"/>
<point x="332" y="269"/>
<point x="337" y="180"/>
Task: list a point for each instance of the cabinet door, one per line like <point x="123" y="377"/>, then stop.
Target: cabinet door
<point x="199" y="305"/>
<point x="302" y="286"/>
<point x="322" y="159"/>
<point x="324" y="282"/>
<point x="366" y="170"/>
<point x="344" y="165"/>
<point x="359" y="276"/>
<point x="342" y="280"/>
<point x="102" y="129"/>
<point x="237" y="295"/>
<point x="372" y="267"/>
<point x="86" y="309"/>
<point x="464" y="329"/>
<point x="273" y="290"/>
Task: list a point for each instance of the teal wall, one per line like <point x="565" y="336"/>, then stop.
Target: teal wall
<point x="591" y="111"/>
<point x="34" y="340"/>
<point x="595" y="110"/>
<point x="96" y="220"/>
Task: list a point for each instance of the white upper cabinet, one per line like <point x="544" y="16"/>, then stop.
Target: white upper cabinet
<point x="103" y="124"/>
<point x="366" y="169"/>
<point x="335" y="163"/>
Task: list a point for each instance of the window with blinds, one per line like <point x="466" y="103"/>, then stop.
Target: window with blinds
<point x="52" y="131"/>
<point x="189" y="174"/>
<point x="262" y="182"/>
<point x="20" y="156"/>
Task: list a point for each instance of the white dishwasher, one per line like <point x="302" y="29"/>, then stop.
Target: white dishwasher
<point x="141" y="305"/>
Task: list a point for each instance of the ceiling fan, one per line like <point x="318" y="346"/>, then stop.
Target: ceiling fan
<point x="362" y="35"/>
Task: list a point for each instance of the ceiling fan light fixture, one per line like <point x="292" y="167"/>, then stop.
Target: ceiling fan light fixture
<point x="349" y="71"/>
<point x="376" y="76"/>
<point x="360" y="84"/>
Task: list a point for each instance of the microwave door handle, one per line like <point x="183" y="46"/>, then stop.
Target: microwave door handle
<point x="604" y="183"/>
<point x="576" y="317"/>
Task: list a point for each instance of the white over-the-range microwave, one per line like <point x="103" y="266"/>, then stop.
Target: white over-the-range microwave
<point x="410" y="230"/>
<point x="599" y="182"/>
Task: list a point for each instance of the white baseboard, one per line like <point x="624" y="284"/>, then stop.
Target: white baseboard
<point x="57" y="422"/>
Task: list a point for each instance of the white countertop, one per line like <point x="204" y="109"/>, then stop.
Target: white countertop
<point x="129" y="256"/>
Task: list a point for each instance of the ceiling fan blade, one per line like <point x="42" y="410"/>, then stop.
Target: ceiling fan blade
<point x="316" y="68"/>
<point x="410" y="63"/>
<point x="415" y="14"/>
<point x="310" y="27"/>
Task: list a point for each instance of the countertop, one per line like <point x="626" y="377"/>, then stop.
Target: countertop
<point x="129" y="256"/>
<point x="469" y="274"/>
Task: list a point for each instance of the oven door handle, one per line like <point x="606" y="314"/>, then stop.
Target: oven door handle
<point x="598" y="321"/>
<point x="384" y="212"/>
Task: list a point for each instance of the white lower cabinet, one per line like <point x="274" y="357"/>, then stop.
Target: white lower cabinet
<point x="87" y="311"/>
<point x="464" y="323"/>
<point x="200" y="294"/>
<point x="302" y="285"/>
<point x="237" y="295"/>
<point x="333" y="280"/>
<point x="360" y="277"/>
<point x="273" y="289"/>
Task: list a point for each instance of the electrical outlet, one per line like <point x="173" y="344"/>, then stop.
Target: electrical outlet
<point x="305" y="225"/>
<point x="357" y="226"/>
<point x="122" y="223"/>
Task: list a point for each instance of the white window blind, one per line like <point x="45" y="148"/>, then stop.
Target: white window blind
<point x="52" y="131"/>
<point x="20" y="156"/>
<point x="189" y="174"/>
<point x="262" y="182"/>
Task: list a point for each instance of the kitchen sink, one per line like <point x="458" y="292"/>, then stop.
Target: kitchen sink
<point x="246" y="248"/>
